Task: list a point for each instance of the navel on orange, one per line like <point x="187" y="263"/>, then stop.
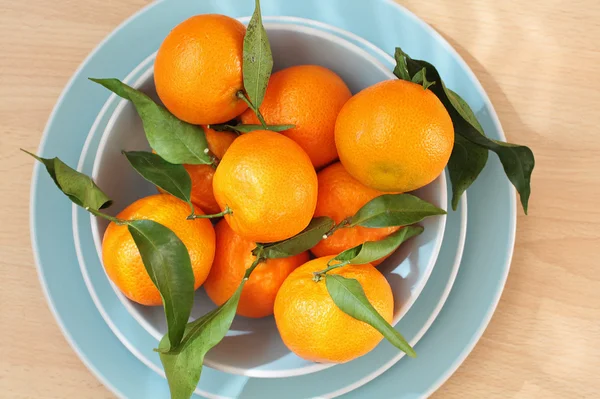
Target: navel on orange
<point x="122" y="260"/>
<point x="198" y="69"/>
<point x="314" y="328"/>
<point x="394" y="136"/>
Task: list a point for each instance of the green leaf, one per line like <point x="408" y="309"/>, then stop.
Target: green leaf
<point x="78" y="187"/>
<point x="184" y="367"/>
<point x="349" y="296"/>
<point x="174" y="140"/>
<point x="251" y="128"/>
<point x="303" y="241"/>
<point x="401" y="69"/>
<point x="257" y="59"/>
<point x="173" y="179"/>
<point x="421" y="78"/>
<point x="394" y="210"/>
<point x="517" y="160"/>
<point x="371" y="251"/>
<point x="167" y="261"/>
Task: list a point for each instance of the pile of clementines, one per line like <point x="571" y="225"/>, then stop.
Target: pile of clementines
<point x="342" y="152"/>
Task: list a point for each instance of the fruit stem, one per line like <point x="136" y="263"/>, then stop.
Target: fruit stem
<point x="118" y="221"/>
<point x="320" y="274"/>
<point x="259" y="259"/>
<point x="227" y="211"/>
<point x="240" y="94"/>
<point x="340" y="225"/>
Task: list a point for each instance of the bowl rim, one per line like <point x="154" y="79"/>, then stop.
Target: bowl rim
<point x="441" y="196"/>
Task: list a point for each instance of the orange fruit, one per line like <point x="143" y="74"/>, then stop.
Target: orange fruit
<point x="309" y="97"/>
<point x="269" y="184"/>
<point x="314" y="328"/>
<point x="202" y="175"/>
<point x="198" y="69"/>
<point x="122" y="259"/>
<point x="233" y="256"/>
<point x="340" y="197"/>
<point x="394" y="136"/>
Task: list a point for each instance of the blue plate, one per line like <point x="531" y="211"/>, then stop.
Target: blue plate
<point x="340" y="379"/>
<point x="490" y="236"/>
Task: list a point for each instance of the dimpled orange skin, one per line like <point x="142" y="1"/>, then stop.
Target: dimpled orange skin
<point x="269" y="184"/>
<point x="202" y="175"/>
<point x="314" y="328"/>
<point x="198" y="69"/>
<point x="122" y="260"/>
<point x="232" y="257"/>
<point x="341" y="196"/>
<point x="309" y="97"/>
<point x="394" y="136"/>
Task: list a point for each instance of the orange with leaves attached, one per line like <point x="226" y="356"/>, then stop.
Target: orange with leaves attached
<point x="309" y="97"/>
<point x="314" y="328"/>
<point x="394" y="136"/>
<point x="269" y="184"/>
<point x="122" y="260"/>
<point x="340" y="197"/>
<point x="198" y="69"/>
<point x="232" y="257"/>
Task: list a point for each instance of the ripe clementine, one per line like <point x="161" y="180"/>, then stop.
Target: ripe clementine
<point x="198" y="69"/>
<point x="269" y="184"/>
<point x="310" y="97"/>
<point x="233" y="256"/>
<point x="341" y="196"/>
<point x="314" y="328"/>
<point x="122" y="260"/>
<point x="394" y="136"/>
<point x="202" y="175"/>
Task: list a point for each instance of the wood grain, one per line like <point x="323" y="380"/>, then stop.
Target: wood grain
<point x="538" y="61"/>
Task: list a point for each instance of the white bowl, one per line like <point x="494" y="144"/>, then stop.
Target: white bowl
<point x="253" y="346"/>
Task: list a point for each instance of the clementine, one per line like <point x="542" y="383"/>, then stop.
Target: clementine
<point x="310" y="97"/>
<point x="269" y="184"/>
<point x="198" y="69"/>
<point x="314" y="328"/>
<point x="394" y="136"/>
<point x="233" y="256"/>
<point x="122" y="260"/>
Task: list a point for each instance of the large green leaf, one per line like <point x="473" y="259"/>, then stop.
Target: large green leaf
<point x="167" y="261"/>
<point x="172" y="178"/>
<point x="518" y="161"/>
<point x="183" y="367"/>
<point x="371" y="251"/>
<point x="394" y="210"/>
<point x="303" y="241"/>
<point x="257" y="59"/>
<point x="80" y="188"/>
<point x="349" y="296"/>
<point x="174" y="140"/>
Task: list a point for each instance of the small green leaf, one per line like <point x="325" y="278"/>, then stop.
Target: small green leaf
<point x="174" y="179"/>
<point x="257" y="59"/>
<point x="349" y="296"/>
<point x="303" y="241"/>
<point x="174" y="140"/>
<point x="371" y="251"/>
<point x="401" y="70"/>
<point x="394" y="210"/>
<point x="421" y="78"/>
<point x="78" y="187"/>
<point x="184" y="366"/>
<point x="251" y="128"/>
<point x="167" y="261"/>
<point x="517" y="160"/>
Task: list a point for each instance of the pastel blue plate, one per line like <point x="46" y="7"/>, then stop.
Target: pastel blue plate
<point x="340" y="379"/>
<point x="490" y="235"/>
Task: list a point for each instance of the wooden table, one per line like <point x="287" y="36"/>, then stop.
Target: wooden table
<point x="539" y="62"/>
